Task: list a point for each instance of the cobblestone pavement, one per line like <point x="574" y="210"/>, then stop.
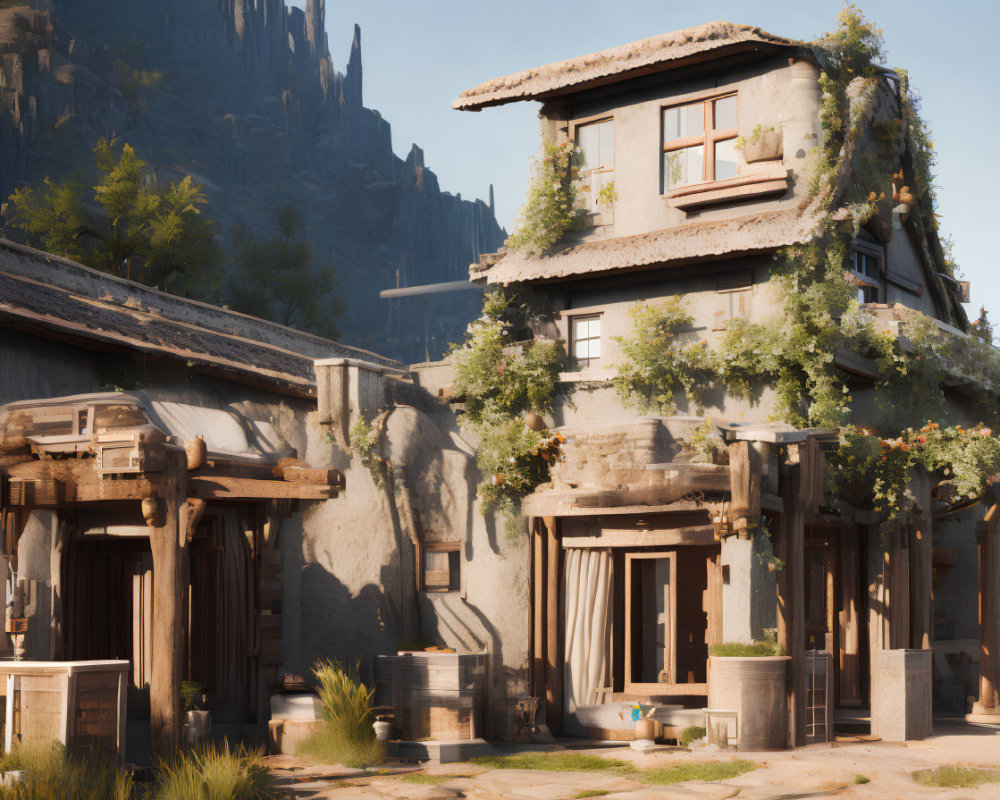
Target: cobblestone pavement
<point x="818" y="771"/>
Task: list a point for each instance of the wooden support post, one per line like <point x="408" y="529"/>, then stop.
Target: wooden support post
<point x="850" y="620"/>
<point x="784" y="616"/>
<point x="537" y="610"/>
<point x="168" y="542"/>
<point x="921" y="565"/>
<point x="897" y="592"/>
<point x="797" y="634"/>
<point x="553" y="660"/>
<point x="989" y="625"/>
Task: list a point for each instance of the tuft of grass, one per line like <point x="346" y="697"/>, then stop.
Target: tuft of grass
<point x="432" y="780"/>
<point x="214" y="772"/>
<point x="692" y="733"/>
<point x="860" y="779"/>
<point x="347" y="736"/>
<point x="591" y="793"/>
<point x="742" y="650"/>
<point x="49" y="773"/>
<point x="712" y="771"/>
<point x="556" y="762"/>
<point x="954" y="776"/>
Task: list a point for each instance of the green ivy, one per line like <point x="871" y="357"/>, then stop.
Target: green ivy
<point x="551" y="208"/>
<point x="499" y="380"/>
<point x="366" y="443"/>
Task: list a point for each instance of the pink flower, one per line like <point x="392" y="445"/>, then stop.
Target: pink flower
<point x="985" y="432"/>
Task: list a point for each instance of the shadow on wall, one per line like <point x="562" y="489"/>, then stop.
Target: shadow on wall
<point x="337" y="625"/>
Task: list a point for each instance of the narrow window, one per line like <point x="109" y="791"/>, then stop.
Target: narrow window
<point x="866" y="272"/>
<point x="442" y="567"/>
<point x="597" y="141"/>
<point x="585" y="339"/>
<point x="699" y="142"/>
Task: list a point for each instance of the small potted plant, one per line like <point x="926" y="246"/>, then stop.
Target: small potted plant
<point x="197" y="720"/>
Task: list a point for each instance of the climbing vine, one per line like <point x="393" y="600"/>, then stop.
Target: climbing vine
<point x="856" y="181"/>
<point x="500" y="380"/>
<point x="551" y="208"/>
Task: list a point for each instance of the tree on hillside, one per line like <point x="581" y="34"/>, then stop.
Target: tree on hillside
<point x="125" y="224"/>
<point x="274" y="277"/>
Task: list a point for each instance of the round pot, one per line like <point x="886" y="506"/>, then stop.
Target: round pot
<point x="645" y="729"/>
<point x="197" y="726"/>
<point x="383" y="728"/>
<point x="754" y="687"/>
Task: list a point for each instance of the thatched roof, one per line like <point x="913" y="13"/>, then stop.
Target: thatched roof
<point x="659" y="53"/>
<point x="746" y="235"/>
<point x="57" y="298"/>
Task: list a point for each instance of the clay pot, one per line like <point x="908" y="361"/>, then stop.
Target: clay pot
<point x="534" y="421"/>
<point x="382" y="729"/>
<point x="645" y="728"/>
<point x="151" y="510"/>
<point x="195" y="449"/>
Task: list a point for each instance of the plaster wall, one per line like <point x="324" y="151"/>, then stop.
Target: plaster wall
<point x="771" y="93"/>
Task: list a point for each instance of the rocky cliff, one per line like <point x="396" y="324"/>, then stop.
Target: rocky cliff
<point x="244" y="95"/>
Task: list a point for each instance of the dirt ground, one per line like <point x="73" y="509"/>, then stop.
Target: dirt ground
<point x="828" y="770"/>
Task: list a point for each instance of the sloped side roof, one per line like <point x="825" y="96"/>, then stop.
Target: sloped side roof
<point x="667" y="51"/>
<point x="754" y="233"/>
<point x="61" y="299"/>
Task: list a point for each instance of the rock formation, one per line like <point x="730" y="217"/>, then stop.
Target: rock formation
<point x="243" y="95"/>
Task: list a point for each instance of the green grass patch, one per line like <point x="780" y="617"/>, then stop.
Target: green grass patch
<point x="556" y="762"/>
<point x="50" y="773"/>
<point x="347" y="736"/>
<point x="860" y="779"/>
<point x="692" y="733"/>
<point x="591" y="793"/>
<point x="432" y="780"/>
<point x="215" y="771"/>
<point x="956" y="777"/>
<point x="713" y="771"/>
<point x="742" y="650"/>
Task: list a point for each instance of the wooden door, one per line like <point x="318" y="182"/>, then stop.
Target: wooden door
<point x="650" y="620"/>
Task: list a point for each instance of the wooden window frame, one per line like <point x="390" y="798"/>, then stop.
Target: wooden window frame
<point x="637" y="687"/>
<point x="709" y="138"/>
<point x="440" y="547"/>
<point x="588" y="362"/>
<point x="859" y="278"/>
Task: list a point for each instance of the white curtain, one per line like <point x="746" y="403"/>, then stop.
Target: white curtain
<point x="587" y="575"/>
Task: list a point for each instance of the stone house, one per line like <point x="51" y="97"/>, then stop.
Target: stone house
<point x="698" y="152"/>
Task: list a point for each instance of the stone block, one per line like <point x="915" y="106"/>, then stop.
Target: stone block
<point x="902" y="703"/>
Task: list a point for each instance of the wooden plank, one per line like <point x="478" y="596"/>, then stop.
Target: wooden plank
<point x="800" y="497"/>
<point x="665" y="689"/>
<point x="690" y="535"/>
<point x="553" y="662"/>
<point x="228" y="488"/>
<point x="989" y="595"/>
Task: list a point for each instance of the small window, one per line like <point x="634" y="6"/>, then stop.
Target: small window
<point x="866" y="270"/>
<point x="699" y="142"/>
<point x="585" y="339"/>
<point x="597" y="141"/>
<point x="442" y="568"/>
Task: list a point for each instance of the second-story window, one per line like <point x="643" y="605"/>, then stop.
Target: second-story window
<point x="699" y="142"/>
<point x="866" y="266"/>
<point x="597" y="141"/>
<point x="585" y="339"/>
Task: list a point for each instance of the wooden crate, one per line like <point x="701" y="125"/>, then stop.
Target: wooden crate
<point x="78" y="703"/>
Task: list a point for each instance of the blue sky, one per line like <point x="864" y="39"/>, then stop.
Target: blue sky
<point x="419" y="55"/>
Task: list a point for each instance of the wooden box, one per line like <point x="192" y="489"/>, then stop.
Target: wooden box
<point x="78" y="703"/>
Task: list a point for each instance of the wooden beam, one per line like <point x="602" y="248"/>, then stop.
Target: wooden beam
<point x="228" y="488"/>
<point x="921" y="563"/>
<point x="989" y="625"/>
<point x="670" y="537"/>
<point x="745" y="482"/>
<point x="553" y="660"/>
<point x="168" y="543"/>
<point x="850" y="620"/>
<point x="798" y="505"/>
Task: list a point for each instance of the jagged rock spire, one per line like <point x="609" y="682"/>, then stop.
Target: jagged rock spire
<point x="315" y="30"/>
<point x="352" y="81"/>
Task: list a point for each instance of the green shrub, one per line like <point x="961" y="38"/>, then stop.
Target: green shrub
<point x="591" y="793"/>
<point x="214" y="772"/>
<point x="861" y="780"/>
<point x="347" y="736"/>
<point x="691" y="734"/>
<point x="741" y="650"/>
<point x="955" y="776"/>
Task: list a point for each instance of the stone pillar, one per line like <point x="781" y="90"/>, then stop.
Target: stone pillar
<point x="748" y="590"/>
<point x="168" y="541"/>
